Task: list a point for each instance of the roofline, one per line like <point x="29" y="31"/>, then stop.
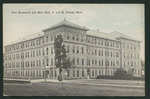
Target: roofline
<point x="22" y="41"/>
<point x="129" y="39"/>
<point x="44" y="30"/>
<point x="103" y="38"/>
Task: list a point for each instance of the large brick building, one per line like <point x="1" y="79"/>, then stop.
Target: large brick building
<point x="92" y="53"/>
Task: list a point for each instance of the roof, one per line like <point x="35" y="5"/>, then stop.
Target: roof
<point x="65" y="23"/>
<point x="100" y="34"/>
<point x="29" y="37"/>
<point x="117" y="35"/>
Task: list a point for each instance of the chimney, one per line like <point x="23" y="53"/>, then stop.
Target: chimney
<point x="98" y="30"/>
<point x="84" y="26"/>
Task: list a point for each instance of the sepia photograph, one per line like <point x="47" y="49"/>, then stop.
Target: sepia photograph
<point x="73" y="49"/>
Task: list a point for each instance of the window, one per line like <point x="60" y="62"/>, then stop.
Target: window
<point x="127" y="46"/>
<point x="52" y="62"/>
<point x="47" y="51"/>
<point x="68" y="48"/>
<point x="93" y="73"/>
<point x="82" y="61"/>
<point x="68" y="36"/>
<point x="77" y="49"/>
<point x="77" y="38"/>
<point x="43" y="39"/>
<point x="131" y="64"/>
<point x="39" y="63"/>
<point x="82" y="73"/>
<point x="51" y="37"/>
<point x="37" y="52"/>
<point x="40" y="52"/>
<point x="36" y="42"/>
<point x="95" y="41"/>
<point x="99" y="63"/>
<point x="73" y="61"/>
<point x="73" y="73"/>
<point x="73" y="37"/>
<point x="73" y="49"/>
<point x="68" y="73"/>
<point x="55" y="74"/>
<point x="96" y="73"/>
<point x="92" y="61"/>
<point x="39" y="41"/>
<point x="28" y="64"/>
<point x="33" y="54"/>
<point x="33" y="63"/>
<point x="95" y="52"/>
<point x="106" y="63"/>
<point x="77" y="73"/>
<point x="43" y="73"/>
<point x="107" y="43"/>
<point x="92" y="40"/>
<point x="117" y="54"/>
<point x="5" y="57"/>
<point x="82" y="50"/>
<point x="77" y="61"/>
<point x="82" y="38"/>
<point x="99" y="72"/>
<point x="43" y="52"/>
<point x="113" y="63"/>
<point x="95" y="62"/>
<point x="51" y="50"/>
<point x="116" y="44"/>
<point x="46" y="38"/>
<point x="52" y="73"/>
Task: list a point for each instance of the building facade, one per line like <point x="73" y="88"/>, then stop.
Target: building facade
<point x="92" y="53"/>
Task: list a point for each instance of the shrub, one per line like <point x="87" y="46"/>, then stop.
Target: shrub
<point x="104" y="77"/>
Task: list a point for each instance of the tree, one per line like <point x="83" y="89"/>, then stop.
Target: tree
<point x="61" y="60"/>
<point x="122" y="74"/>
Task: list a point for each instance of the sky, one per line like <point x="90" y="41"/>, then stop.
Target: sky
<point x="124" y="18"/>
